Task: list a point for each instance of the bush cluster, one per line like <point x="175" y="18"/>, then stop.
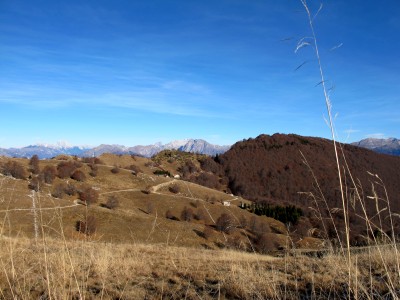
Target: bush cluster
<point x="115" y="170"/>
<point x="66" y="168"/>
<point x="49" y="173"/>
<point x="87" y="226"/>
<point x="61" y="188"/>
<point x="175" y="189"/>
<point x="34" y="164"/>
<point x="112" y="202"/>
<point x="88" y="195"/>
<point x="14" y="169"/>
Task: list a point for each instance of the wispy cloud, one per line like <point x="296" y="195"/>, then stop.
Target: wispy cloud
<point x="350" y="131"/>
<point x="167" y="97"/>
<point x="376" y="135"/>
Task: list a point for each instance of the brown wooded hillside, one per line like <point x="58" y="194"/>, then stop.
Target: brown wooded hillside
<point x="272" y="169"/>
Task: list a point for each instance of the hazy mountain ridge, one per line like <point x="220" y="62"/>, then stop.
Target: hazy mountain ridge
<point x="48" y="151"/>
<point x="386" y="146"/>
<point x="43" y="151"/>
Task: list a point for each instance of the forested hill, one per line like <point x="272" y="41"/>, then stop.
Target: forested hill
<point x="285" y="169"/>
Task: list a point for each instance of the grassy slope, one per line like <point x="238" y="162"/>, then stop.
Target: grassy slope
<point x="140" y="217"/>
<point x="140" y="255"/>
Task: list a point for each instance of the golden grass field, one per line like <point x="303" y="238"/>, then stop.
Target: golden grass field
<point x="58" y="269"/>
<point x="138" y="253"/>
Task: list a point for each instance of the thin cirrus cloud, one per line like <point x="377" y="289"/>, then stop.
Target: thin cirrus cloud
<point x="168" y="98"/>
<point x="376" y="135"/>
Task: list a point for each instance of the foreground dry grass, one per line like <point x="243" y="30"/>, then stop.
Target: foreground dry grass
<point x="56" y="269"/>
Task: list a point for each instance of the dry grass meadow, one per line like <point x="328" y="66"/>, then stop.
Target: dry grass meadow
<point x="56" y="269"/>
<point x="136" y="252"/>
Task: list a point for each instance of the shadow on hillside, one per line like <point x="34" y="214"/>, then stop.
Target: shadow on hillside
<point x="199" y="233"/>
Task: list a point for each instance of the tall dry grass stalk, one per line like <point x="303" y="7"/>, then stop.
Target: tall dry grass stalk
<point x="391" y="279"/>
<point x="328" y="104"/>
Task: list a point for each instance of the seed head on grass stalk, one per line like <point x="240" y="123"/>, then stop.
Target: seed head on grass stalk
<point x="331" y="126"/>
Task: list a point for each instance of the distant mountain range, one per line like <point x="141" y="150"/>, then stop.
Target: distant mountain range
<point x="387" y="146"/>
<point x="48" y="151"/>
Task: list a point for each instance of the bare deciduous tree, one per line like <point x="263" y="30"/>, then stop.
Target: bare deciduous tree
<point x="225" y="223"/>
<point x="34" y="164"/>
<point x="49" y="173"/>
<point x="88" y="195"/>
<point x="187" y="214"/>
<point x="87" y="226"/>
<point x="78" y="175"/>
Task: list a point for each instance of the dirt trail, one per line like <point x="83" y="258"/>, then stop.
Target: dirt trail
<point x="155" y="188"/>
<point x="120" y="191"/>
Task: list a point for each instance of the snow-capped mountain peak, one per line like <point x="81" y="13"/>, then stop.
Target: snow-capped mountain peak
<point x="49" y="150"/>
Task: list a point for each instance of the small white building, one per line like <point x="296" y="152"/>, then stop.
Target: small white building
<point x="226" y="203"/>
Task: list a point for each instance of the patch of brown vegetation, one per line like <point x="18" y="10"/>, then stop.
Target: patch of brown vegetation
<point x="273" y="169"/>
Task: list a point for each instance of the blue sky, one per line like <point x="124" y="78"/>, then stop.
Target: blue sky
<point x="139" y="72"/>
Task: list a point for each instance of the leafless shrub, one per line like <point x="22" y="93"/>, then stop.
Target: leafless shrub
<point x="187" y="214"/>
<point x="66" y="168"/>
<point x="112" y="202"/>
<point x="169" y="214"/>
<point x="34" y="184"/>
<point x="115" y="170"/>
<point x="58" y="191"/>
<point x="34" y="164"/>
<point x="87" y="226"/>
<point x="91" y="160"/>
<point x="175" y="189"/>
<point x="70" y="189"/>
<point x="147" y="190"/>
<point x="14" y="169"/>
<point x="49" y="173"/>
<point x="93" y="169"/>
<point x="225" y="223"/>
<point x="88" y="195"/>
<point x="188" y="168"/>
<point x="78" y="175"/>
<point x="135" y="169"/>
